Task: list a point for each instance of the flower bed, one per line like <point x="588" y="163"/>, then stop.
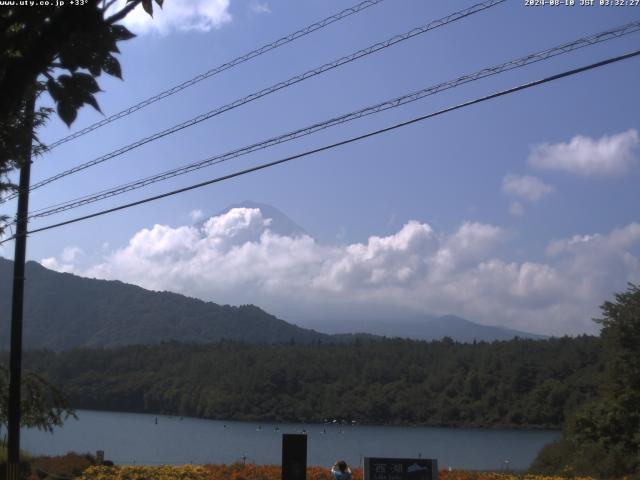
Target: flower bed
<point x="163" y="472"/>
<point x="262" y="472"/>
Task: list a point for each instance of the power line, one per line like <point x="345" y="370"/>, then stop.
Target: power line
<point x="389" y="104"/>
<point x="221" y="68"/>
<point x="341" y="143"/>
<point x="274" y="88"/>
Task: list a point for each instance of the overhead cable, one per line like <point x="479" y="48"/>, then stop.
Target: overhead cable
<point x="301" y="132"/>
<point x="219" y="69"/>
<point x="338" y="144"/>
<point x="274" y="88"/>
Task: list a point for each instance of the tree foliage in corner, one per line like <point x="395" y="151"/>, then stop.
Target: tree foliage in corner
<point x="43" y="406"/>
<point x="603" y="439"/>
<point x="61" y="50"/>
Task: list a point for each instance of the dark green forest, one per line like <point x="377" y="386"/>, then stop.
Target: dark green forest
<point x="518" y="383"/>
<point x="602" y="439"/>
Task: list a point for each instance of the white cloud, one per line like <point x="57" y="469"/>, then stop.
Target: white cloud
<point x="470" y="244"/>
<point x="196" y="215"/>
<point x="178" y="15"/>
<point x="259" y="7"/>
<point x="237" y="258"/>
<point x="619" y="239"/>
<point x="68" y="261"/>
<point x="394" y="260"/>
<point x="608" y="155"/>
<point x="525" y="186"/>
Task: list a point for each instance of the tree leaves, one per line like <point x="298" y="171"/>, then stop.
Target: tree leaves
<point x="121" y="32"/>
<point x="111" y="66"/>
<point x="67" y="112"/>
<point x="71" y="92"/>
<point x="75" y="43"/>
<point x="55" y="90"/>
<point x="86" y="82"/>
<point x="603" y="435"/>
<point x="81" y="47"/>
<point x="90" y="50"/>
<point x="43" y="405"/>
<point x="148" y="6"/>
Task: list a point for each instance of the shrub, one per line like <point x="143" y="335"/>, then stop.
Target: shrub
<point x="69" y="465"/>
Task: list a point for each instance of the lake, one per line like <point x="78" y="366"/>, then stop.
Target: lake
<point x="131" y="438"/>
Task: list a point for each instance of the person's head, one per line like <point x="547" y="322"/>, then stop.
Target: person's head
<point x="342" y="465"/>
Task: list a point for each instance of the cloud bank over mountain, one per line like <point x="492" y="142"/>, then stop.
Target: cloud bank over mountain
<point x="236" y="258"/>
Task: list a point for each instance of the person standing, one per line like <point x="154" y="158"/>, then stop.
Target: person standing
<point x="341" y="471"/>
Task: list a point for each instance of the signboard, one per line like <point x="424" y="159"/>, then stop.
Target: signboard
<point x="294" y="457"/>
<point x="400" y="468"/>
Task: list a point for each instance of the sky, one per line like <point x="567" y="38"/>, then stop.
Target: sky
<point x="521" y="211"/>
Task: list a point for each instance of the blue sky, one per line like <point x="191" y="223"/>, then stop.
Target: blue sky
<point x="521" y="211"/>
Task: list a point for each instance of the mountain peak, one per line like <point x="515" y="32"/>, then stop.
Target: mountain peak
<point x="279" y="223"/>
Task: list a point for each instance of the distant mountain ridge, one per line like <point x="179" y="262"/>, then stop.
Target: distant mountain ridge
<point x="64" y="311"/>
<point x="464" y="330"/>
<point x="430" y="328"/>
<point x="400" y="323"/>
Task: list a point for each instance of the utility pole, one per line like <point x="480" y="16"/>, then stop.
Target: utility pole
<point x="15" y="359"/>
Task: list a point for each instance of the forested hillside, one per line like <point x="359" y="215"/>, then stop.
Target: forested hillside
<point x="64" y="311"/>
<point x="533" y="383"/>
<point x="601" y="440"/>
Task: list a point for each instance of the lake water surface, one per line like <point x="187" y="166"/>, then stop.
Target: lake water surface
<point x="129" y="438"/>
